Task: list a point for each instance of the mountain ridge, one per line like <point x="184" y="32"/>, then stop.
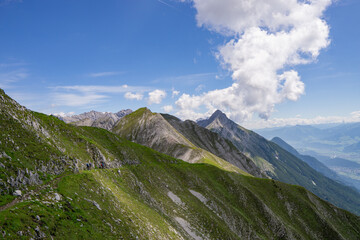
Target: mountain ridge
<point x="285" y="166"/>
<point x="105" y="120"/>
<point x="134" y="192"/>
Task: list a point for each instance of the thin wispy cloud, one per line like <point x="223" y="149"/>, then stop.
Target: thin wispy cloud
<point x="7" y="2"/>
<point x="10" y="65"/>
<point x="77" y="100"/>
<point x="188" y="80"/>
<point x="104" y="74"/>
<point x="103" y="89"/>
<point x="167" y="4"/>
<point x="87" y="95"/>
<point x="7" y="79"/>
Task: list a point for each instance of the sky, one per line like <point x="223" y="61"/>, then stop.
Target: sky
<point x="264" y="63"/>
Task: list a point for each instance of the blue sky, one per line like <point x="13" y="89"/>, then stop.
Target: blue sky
<point x="171" y="56"/>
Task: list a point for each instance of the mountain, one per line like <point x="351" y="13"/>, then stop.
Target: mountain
<point x="105" y="120"/>
<point x="213" y="143"/>
<point x="341" y="140"/>
<point x="154" y="131"/>
<point x="353" y="148"/>
<point x="47" y="191"/>
<point x="311" y="161"/>
<point x="292" y="133"/>
<point x="282" y="165"/>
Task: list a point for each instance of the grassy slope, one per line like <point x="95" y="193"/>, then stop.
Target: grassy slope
<point x="134" y="200"/>
<point x="288" y="168"/>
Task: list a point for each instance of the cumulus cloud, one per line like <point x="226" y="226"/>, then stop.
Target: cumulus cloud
<point x="156" y="96"/>
<point x="268" y="38"/>
<point x="168" y="108"/>
<point x="131" y="96"/>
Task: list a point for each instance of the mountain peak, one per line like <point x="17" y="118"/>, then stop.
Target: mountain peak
<point x="217" y="115"/>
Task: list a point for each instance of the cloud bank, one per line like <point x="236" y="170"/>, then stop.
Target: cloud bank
<point x="268" y="38"/>
<point x="281" y="122"/>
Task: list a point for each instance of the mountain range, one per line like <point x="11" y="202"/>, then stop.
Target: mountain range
<point x="105" y="120"/>
<point x="336" y="146"/>
<point x="62" y="181"/>
<point x="341" y="140"/>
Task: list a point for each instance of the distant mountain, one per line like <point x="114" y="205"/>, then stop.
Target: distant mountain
<point x="280" y="164"/>
<point x="105" y="120"/>
<point x="48" y="190"/>
<point x="341" y="140"/>
<point x="353" y="148"/>
<point x="153" y="130"/>
<point x="311" y="161"/>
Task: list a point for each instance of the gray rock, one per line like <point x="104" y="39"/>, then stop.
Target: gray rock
<point x="57" y="197"/>
<point x="93" y="202"/>
<point x="17" y="193"/>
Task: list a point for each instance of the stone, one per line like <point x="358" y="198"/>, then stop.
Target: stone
<point x="57" y="197"/>
<point x="17" y="193"/>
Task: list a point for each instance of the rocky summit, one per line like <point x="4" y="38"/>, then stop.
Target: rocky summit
<point x="105" y="120"/>
<point x="151" y="177"/>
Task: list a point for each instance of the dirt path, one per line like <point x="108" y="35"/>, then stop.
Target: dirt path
<point x="25" y="196"/>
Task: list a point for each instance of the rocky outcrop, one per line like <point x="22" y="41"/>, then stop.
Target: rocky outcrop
<point x="214" y="143"/>
<point x="105" y="120"/>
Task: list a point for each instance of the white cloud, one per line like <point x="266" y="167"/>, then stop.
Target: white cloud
<point x="269" y="37"/>
<point x="356" y="115"/>
<point x="136" y="96"/>
<point x="82" y="95"/>
<point x="175" y="93"/>
<point x="200" y="88"/>
<point x="281" y="122"/>
<point x="8" y="78"/>
<point x="104" y="74"/>
<point x="156" y="96"/>
<point x="168" y="108"/>
<point x="62" y="114"/>
<point x="103" y="89"/>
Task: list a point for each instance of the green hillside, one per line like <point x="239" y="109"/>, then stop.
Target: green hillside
<point x="140" y="193"/>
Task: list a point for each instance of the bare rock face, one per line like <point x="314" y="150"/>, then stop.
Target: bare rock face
<point x="214" y="143"/>
<point x="105" y="120"/>
<point x="17" y="193"/>
<point x="152" y="130"/>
